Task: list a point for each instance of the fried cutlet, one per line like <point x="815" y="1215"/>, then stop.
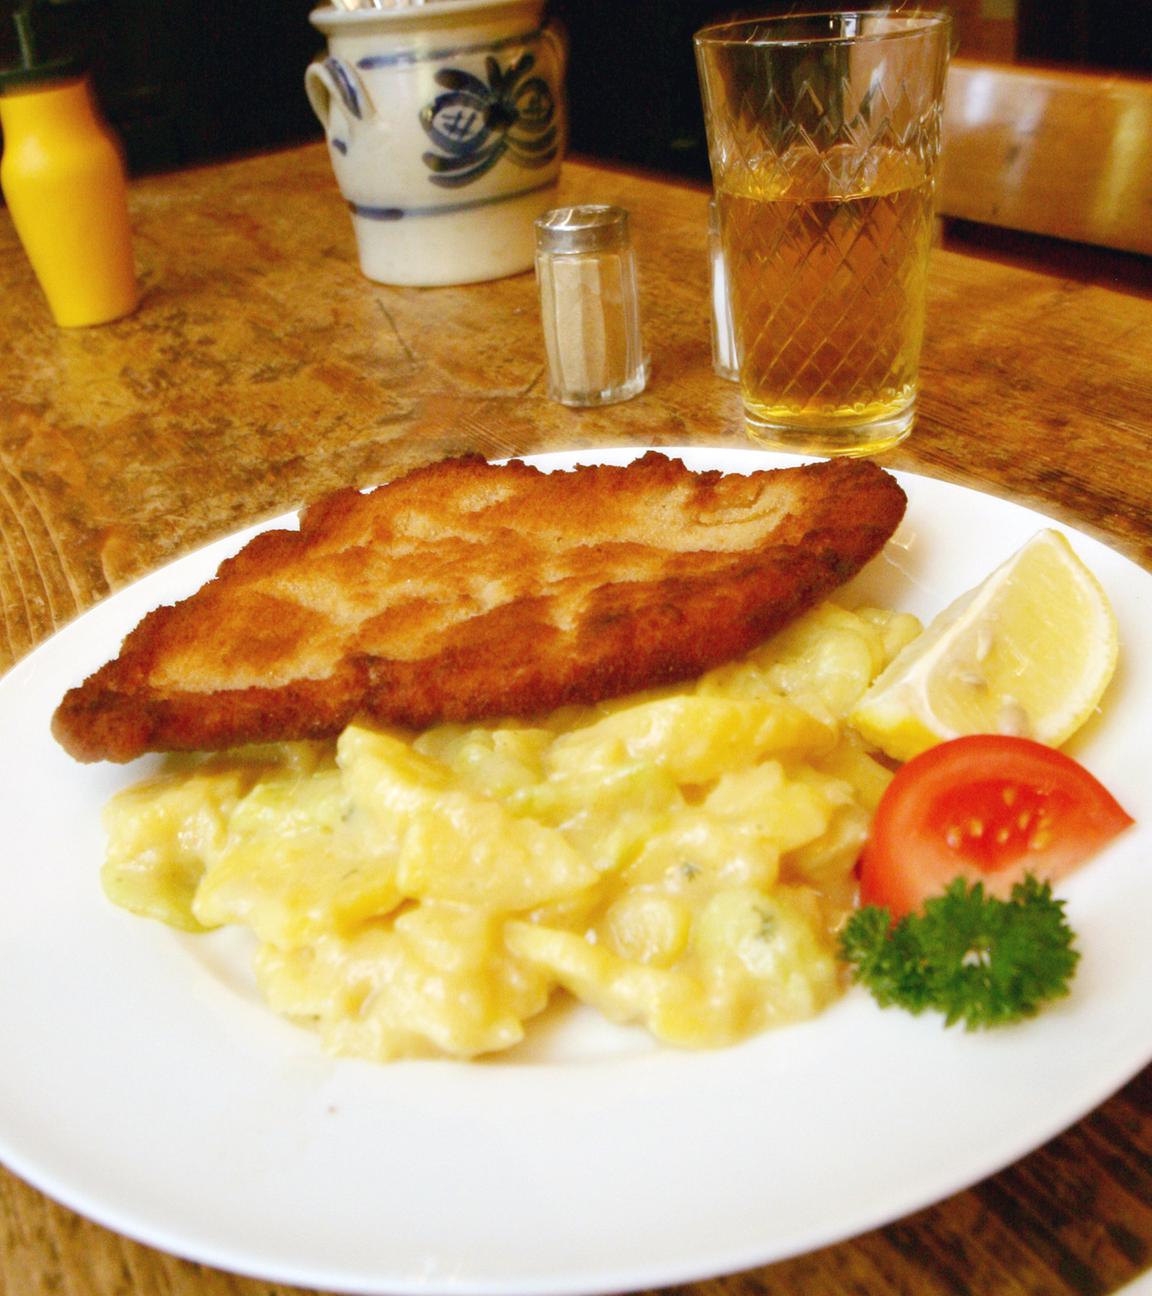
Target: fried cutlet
<point x="467" y="590"/>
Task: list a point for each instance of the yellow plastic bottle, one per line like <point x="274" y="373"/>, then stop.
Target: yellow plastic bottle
<point x="64" y="182"/>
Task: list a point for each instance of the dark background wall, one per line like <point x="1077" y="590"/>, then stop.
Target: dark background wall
<point x="190" y="80"/>
<point x="186" y="81"/>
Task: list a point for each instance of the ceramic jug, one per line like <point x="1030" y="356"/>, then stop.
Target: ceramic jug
<point x="446" y="127"/>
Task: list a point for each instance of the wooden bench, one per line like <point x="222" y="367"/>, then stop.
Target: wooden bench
<point x="1061" y="153"/>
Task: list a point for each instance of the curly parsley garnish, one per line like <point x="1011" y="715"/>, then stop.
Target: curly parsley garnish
<point x="976" y="959"/>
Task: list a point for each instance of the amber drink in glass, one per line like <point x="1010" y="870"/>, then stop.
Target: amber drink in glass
<point x="824" y="134"/>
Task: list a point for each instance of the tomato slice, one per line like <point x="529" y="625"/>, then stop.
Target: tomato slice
<point x="987" y="808"/>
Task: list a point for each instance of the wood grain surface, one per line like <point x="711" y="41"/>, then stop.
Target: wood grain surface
<point x="262" y="369"/>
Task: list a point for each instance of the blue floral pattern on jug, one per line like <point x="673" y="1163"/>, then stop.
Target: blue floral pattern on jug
<point x="475" y="124"/>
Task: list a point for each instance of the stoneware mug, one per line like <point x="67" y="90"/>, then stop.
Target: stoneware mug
<point x="446" y="127"/>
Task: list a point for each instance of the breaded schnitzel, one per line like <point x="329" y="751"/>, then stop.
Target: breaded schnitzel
<point x="466" y="590"/>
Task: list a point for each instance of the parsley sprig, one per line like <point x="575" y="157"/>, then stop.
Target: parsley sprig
<point x="976" y="959"/>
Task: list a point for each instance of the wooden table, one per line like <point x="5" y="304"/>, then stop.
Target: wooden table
<point x="262" y="369"/>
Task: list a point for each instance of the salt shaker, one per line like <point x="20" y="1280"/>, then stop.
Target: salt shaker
<point x="586" y="270"/>
<point x="724" y="360"/>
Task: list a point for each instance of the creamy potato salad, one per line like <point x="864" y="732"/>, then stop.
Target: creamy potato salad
<point x="680" y="859"/>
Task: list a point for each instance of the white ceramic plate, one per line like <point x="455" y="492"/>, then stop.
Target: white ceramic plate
<point x="143" y="1084"/>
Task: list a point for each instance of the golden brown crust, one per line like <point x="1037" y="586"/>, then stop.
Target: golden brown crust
<point x="466" y="590"/>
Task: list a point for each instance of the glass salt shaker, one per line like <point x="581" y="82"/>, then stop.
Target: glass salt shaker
<point x="724" y="360"/>
<point x="586" y="271"/>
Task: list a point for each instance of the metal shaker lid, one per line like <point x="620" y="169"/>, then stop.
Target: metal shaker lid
<point x="587" y="228"/>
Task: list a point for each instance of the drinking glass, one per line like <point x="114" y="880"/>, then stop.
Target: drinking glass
<point x="823" y="136"/>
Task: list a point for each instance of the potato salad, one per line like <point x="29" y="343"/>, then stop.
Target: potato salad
<point x="680" y="859"/>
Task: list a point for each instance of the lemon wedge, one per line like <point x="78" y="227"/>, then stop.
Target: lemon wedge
<point x="1028" y="652"/>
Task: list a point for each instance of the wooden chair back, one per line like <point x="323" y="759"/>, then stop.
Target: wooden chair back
<point x="1061" y="153"/>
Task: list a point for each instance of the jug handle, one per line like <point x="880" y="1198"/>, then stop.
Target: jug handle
<point x="556" y="35"/>
<point x="335" y="91"/>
